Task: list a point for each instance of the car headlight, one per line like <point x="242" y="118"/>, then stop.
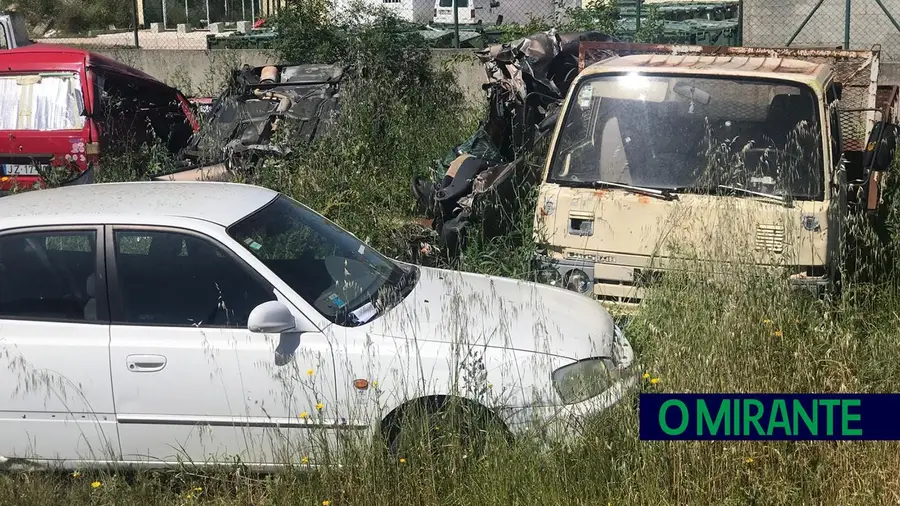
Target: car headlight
<point x="578" y="281"/>
<point x="549" y="276"/>
<point x="584" y="379"/>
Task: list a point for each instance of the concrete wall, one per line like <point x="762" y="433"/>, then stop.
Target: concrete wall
<point x="772" y="22"/>
<point x="202" y="73"/>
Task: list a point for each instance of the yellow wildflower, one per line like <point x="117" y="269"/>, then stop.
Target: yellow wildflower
<point x="326" y="502"/>
<point x="304" y="460"/>
<point x="748" y="460"/>
<point x="76" y="474"/>
<point x="375" y="383"/>
<point x="198" y="489"/>
<point x="189" y="496"/>
<point x="319" y="406"/>
<point x="402" y="460"/>
<point x="646" y="375"/>
<point x="96" y="484"/>
<point x="310" y="372"/>
<point x="778" y="333"/>
<point x="304" y="415"/>
<point x="654" y="381"/>
<point x="768" y="321"/>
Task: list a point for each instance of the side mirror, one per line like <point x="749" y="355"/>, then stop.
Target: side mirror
<point x="834" y="92"/>
<point x="271" y="317"/>
<point x="881" y="147"/>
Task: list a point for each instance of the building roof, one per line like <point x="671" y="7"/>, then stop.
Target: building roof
<point x="740" y="65"/>
<point x="33" y="55"/>
<point x="221" y="203"/>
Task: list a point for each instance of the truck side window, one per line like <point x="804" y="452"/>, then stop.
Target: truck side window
<point x="3" y="38"/>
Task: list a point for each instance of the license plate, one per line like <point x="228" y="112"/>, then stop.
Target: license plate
<point x="20" y="169"/>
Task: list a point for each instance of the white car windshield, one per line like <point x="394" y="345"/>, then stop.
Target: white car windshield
<point x="671" y="132"/>
<point x="343" y="278"/>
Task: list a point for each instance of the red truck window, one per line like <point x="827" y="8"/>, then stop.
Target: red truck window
<point x="46" y="101"/>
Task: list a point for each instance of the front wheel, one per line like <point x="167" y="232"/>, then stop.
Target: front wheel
<point x="449" y="430"/>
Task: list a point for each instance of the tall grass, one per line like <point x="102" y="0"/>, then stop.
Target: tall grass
<point x="746" y="332"/>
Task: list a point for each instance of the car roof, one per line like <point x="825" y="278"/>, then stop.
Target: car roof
<point x="725" y="65"/>
<point x="220" y="203"/>
<point x="54" y="54"/>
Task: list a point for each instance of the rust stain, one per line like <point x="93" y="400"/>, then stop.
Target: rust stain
<point x="644" y="199"/>
<point x="600" y="193"/>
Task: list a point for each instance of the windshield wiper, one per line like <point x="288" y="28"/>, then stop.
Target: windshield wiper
<point x="653" y="192"/>
<point x="784" y="199"/>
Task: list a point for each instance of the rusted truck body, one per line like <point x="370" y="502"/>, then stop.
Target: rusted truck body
<point x="727" y="155"/>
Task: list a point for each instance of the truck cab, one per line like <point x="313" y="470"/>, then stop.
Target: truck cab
<point x="13" y="33"/>
<point x="63" y="109"/>
<point x="658" y="158"/>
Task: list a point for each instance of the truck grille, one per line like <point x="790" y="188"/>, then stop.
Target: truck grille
<point x="770" y="238"/>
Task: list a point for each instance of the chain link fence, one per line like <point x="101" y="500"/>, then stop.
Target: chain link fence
<point x="240" y="24"/>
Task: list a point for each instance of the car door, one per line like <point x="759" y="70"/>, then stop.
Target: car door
<point x="190" y="381"/>
<point x="56" y="399"/>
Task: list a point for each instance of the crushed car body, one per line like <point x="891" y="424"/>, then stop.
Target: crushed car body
<point x="259" y="102"/>
<point x="527" y="81"/>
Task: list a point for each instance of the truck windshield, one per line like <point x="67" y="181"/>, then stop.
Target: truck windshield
<point x="682" y="133"/>
<point x="344" y="279"/>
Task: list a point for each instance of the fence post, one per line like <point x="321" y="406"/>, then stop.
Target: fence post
<point x="740" y="37"/>
<point x="208" y="21"/>
<point x="134" y="18"/>
<point x="165" y="23"/>
<point x="455" y="25"/>
<point x="847" y="24"/>
<point x="637" y="18"/>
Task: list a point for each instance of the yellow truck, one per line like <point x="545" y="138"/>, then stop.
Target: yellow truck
<point x="725" y="155"/>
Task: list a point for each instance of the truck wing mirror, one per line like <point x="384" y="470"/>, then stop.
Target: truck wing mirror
<point x="835" y="91"/>
<point x="881" y="147"/>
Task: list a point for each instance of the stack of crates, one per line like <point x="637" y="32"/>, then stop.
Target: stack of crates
<point x="258" y="39"/>
<point x="702" y="23"/>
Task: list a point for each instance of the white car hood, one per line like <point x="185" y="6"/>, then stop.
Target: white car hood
<point x="458" y="307"/>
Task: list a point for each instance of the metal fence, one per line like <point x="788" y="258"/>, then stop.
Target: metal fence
<point x="848" y="24"/>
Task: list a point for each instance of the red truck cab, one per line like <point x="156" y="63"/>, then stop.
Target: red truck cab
<point x="66" y="107"/>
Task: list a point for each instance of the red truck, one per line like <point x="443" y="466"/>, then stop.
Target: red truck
<point x="66" y="107"/>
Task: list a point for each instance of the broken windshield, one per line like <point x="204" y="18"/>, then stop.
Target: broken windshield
<point x="692" y="134"/>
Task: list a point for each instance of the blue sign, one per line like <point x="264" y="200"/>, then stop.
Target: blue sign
<point x="796" y="417"/>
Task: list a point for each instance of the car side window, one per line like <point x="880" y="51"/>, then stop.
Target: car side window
<point x="49" y="276"/>
<point x="176" y="279"/>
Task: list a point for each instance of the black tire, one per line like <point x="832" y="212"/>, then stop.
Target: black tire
<point x="445" y="429"/>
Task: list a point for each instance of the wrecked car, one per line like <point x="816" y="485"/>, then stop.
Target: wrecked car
<point x="240" y="128"/>
<point x="527" y="81"/>
<point x="63" y="109"/>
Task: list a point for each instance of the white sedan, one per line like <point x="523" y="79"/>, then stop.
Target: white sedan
<point x="146" y="323"/>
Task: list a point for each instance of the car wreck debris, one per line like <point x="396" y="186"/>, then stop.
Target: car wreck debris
<point x="527" y="81"/>
<point x="240" y="129"/>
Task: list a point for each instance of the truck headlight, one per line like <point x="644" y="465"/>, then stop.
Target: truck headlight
<point x="578" y="281"/>
<point x="584" y="379"/>
<point x="549" y="276"/>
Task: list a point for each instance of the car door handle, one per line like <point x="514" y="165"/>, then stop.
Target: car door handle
<point x="145" y="363"/>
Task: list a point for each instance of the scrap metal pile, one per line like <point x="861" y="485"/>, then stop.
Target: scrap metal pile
<point x="479" y="178"/>
<point x="240" y="127"/>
